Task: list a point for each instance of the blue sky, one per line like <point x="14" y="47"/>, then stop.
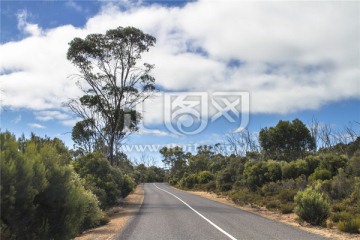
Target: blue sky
<point x="289" y="56"/>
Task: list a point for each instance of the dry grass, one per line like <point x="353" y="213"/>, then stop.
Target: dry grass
<point x="118" y="218"/>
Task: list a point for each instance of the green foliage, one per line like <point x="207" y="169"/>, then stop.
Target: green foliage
<point x="286" y="141"/>
<point x="286" y="208"/>
<point x="108" y="63"/>
<point x="41" y="196"/>
<point x="205" y="177"/>
<point x="175" y="159"/>
<point x="350" y="226"/>
<point x="189" y="181"/>
<point x="320" y="174"/>
<point x="340" y="216"/>
<point x="225" y="179"/>
<point x="257" y="174"/>
<point x="353" y="167"/>
<point x="333" y="162"/>
<point x="144" y="174"/>
<point x="340" y="187"/>
<point x="108" y="183"/>
<point x="295" y="169"/>
<point x="312" y="206"/>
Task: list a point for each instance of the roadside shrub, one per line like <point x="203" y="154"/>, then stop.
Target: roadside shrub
<point x="295" y="169"/>
<point x="205" y="177"/>
<point x="340" y="216"/>
<point x="224" y="187"/>
<point x="108" y="183"/>
<point x="41" y="196"/>
<point x="188" y="181"/>
<point x="312" y="206"/>
<point x="286" y="208"/>
<point x="245" y="196"/>
<point x="350" y="226"/>
<point x="354" y="165"/>
<point x="210" y="186"/>
<point x="287" y="195"/>
<point x="270" y="189"/>
<point x="273" y="204"/>
<point x="320" y="174"/>
<point x="333" y="162"/>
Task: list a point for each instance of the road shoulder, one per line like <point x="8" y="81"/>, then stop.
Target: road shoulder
<point x="289" y="219"/>
<point x="119" y="218"/>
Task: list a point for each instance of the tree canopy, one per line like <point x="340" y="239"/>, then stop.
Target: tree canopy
<point x="286" y="141"/>
<point x="113" y="83"/>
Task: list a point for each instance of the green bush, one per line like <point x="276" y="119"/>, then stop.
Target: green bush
<point x="188" y="181"/>
<point x="333" y="162"/>
<point x="287" y="195"/>
<point x="108" y="183"/>
<point x="41" y="196"/>
<point x="273" y="204"/>
<point x="286" y="208"/>
<point x="320" y="174"/>
<point x="340" y="216"/>
<point x="295" y="169"/>
<point x="312" y="206"/>
<point x="205" y="177"/>
<point x="210" y="186"/>
<point x="350" y="226"/>
<point x="245" y="196"/>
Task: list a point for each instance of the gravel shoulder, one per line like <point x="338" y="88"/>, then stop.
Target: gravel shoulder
<point x="290" y="219"/>
<point x="119" y="218"/>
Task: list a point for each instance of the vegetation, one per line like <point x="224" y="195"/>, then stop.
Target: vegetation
<point x="41" y="196"/>
<point x="115" y="84"/>
<point x="312" y="206"/>
<point x="48" y="192"/>
<point x="287" y="174"/>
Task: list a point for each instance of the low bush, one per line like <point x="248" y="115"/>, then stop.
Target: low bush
<point x="273" y="204"/>
<point x="245" y="196"/>
<point x="340" y="216"/>
<point x="210" y="186"/>
<point x="108" y="183"/>
<point x="350" y="226"/>
<point x="286" y="208"/>
<point x="312" y="206"/>
<point x="188" y="181"/>
<point x="205" y="177"/>
<point x="287" y="195"/>
<point x="320" y="174"/>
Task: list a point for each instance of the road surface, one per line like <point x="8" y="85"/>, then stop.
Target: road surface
<point x="169" y="214"/>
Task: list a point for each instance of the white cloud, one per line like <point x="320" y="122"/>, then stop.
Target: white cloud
<point x="292" y="55"/>
<point x="51" y="115"/>
<point x="36" y="125"/>
<point x="17" y="119"/>
<point x="26" y="27"/>
<point x="74" y="5"/>
<point x="155" y="132"/>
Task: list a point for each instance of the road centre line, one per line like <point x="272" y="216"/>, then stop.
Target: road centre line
<point x="209" y="221"/>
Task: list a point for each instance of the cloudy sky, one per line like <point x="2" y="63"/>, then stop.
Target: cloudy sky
<point x="294" y="59"/>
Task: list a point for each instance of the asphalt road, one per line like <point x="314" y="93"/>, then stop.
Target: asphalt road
<point x="168" y="214"/>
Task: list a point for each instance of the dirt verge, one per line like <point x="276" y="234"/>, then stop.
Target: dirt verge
<point x="290" y="219"/>
<point x="119" y="216"/>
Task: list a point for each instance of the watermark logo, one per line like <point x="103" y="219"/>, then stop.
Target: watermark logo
<point x="189" y="113"/>
<point x="186" y="113"/>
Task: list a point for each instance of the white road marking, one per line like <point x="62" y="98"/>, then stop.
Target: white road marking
<point x="209" y="221"/>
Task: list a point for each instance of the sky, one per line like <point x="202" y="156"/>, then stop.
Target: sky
<point x="220" y="66"/>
